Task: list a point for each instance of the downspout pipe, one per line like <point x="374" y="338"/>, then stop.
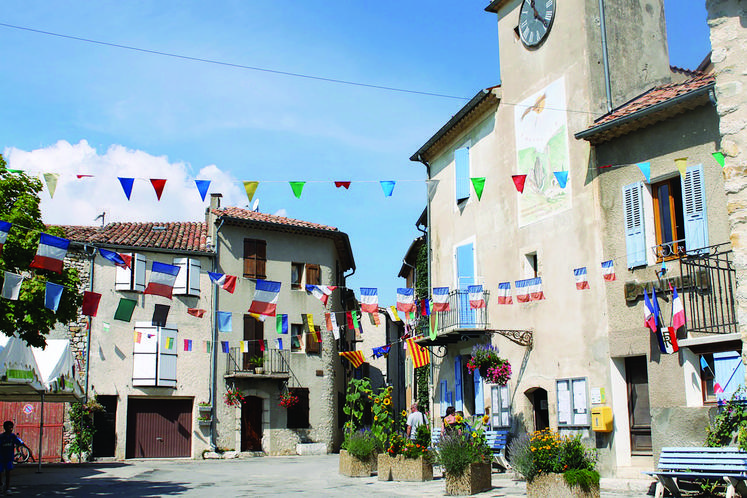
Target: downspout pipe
<point x="214" y="350"/>
<point x="605" y="56"/>
<point x="89" y="329"/>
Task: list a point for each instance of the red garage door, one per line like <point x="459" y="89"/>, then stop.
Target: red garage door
<point x="159" y="428"/>
<point x="26" y="417"/>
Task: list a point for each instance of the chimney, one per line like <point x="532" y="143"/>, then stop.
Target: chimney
<point x="215" y="200"/>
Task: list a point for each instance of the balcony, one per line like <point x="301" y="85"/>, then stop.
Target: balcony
<point x="275" y="364"/>
<point x="460" y="323"/>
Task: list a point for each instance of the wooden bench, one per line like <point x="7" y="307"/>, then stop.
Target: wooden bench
<point x="497" y="441"/>
<point x="727" y="463"/>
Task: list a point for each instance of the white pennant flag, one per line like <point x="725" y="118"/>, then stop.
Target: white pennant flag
<point x="335" y="328"/>
<point x="12" y="286"/>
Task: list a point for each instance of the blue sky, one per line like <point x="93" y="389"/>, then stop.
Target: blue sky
<point x="75" y="107"/>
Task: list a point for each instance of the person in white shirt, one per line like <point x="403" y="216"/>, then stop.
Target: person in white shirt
<point x="414" y="420"/>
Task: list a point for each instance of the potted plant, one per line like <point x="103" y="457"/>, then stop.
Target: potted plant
<point x="258" y="361"/>
<point x="555" y="466"/>
<point x="465" y="457"/>
<point x="493" y="368"/>
<point x="287" y="400"/>
<point x="407" y="460"/>
<point x="233" y="397"/>
<point x="357" y="454"/>
<point x="204" y="420"/>
<point x="204" y="406"/>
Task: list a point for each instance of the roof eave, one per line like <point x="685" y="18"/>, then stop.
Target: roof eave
<point x="495" y="6"/>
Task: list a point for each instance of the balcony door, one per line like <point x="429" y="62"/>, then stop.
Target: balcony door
<point x="465" y="266"/>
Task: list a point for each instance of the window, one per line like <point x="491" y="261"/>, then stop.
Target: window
<point x="531" y="265"/>
<point x="154" y="356"/>
<point x="500" y="403"/>
<point x="461" y="168"/>
<point x="311" y="343"/>
<point x="255" y="258"/>
<point x="132" y="278"/>
<point x="721" y="374"/>
<point x="679" y="215"/>
<point x="572" y="402"/>
<point x="254" y="332"/>
<point x="298" y="414"/>
<point x="313" y="275"/>
<point x="188" y="279"/>
<point x="296" y="275"/>
<point x="296" y="336"/>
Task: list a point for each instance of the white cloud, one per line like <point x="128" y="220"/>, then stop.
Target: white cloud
<point x="79" y="201"/>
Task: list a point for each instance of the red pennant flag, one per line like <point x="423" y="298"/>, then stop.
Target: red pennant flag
<point x="350" y="320"/>
<point x="519" y="182"/>
<point x="90" y="303"/>
<point x="342" y="184"/>
<point x="158" y="185"/>
<point x="196" y="312"/>
<point x="261" y="345"/>
<point x="84" y="176"/>
<point x="328" y="320"/>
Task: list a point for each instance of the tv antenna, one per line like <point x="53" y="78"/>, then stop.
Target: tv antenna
<point x="102" y="216"/>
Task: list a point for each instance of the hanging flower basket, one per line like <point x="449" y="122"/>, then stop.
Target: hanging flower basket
<point x="233" y="397"/>
<point x="287" y="400"/>
<point x="492" y="368"/>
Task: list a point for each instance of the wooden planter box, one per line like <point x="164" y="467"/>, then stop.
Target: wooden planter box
<point x="475" y="479"/>
<point x="352" y="467"/>
<point x="554" y="485"/>
<point x="399" y="468"/>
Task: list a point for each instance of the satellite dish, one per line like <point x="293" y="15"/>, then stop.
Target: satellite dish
<point x="255" y="206"/>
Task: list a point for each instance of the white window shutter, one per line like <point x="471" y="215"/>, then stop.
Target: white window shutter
<point x="138" y="269"/>
<point x="123" y="278"/>
<point x="635" y="235"/>
<point x="167" y="357"/>
<point x="144" y="355"/>
<point x="180" y="285"/>
<point x="194" y="277"/>
<point x="694" y="206"/>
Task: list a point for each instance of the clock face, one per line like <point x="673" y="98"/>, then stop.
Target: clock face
<point x="535" y="20"/>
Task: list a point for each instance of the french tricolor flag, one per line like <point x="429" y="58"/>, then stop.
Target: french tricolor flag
<point x="265" y="298"/>
<point x="608" y="270"/>
<point x="121" y="260"/>
<point x="582" y="279"/>
<point x="369" y="300"/>
<point x="476" y="297"/>
<point x="162" y="278"/>
<point x="504" y="293"/>
<point x="535" y="289"/>
<point x="678" y="311"/>
<point x="441" y="299"/>
<point x="51" y="253"/>
<point x="522" y="291"/>
<point x="227" y="282"/>
<point x="321" y="292"/>
<point x="4" y="229"/>
<point x="406" y="299"/>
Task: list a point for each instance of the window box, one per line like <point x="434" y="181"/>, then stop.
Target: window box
<point x="205" y="407"/>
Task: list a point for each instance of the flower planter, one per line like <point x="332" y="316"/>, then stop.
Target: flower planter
<point x="352" y="467"/>
<point x="554" y="485"/>
<point x="475" y="479"/>
<point x="399" y="468"/>
<point x="384" y="464"/>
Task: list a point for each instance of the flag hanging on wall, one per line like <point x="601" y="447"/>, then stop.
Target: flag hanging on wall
<point x="280" y="343"/>
<point x="369" y="299"/>
<point x="208" y="346"/>
<point x="265" y="297"/>
<point x="425" y="307"/>
<point x="476" y="297"/>
<point x="405" y="299"/>
<point x="51" y="253"/>
<point x="162" y="279"/>
<point x="504" y="293"/>
<point x="582" y="279"/>
<point x="441" y="299"/>
<point x="349" y="316"/>
<point x="321" y="292"/>
<point x="678" y="311"/>
<point x="420" y="355"/>
<point x="608" y="271"/>
<point x="354" y="357"/>
<point x="226" y="282"/>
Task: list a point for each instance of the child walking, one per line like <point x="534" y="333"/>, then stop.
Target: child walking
<point x="8" y="444"/>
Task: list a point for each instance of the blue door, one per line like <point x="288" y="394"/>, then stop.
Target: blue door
<point x="465" y="263"/>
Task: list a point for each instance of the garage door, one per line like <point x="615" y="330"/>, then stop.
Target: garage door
<point x="159" y="428"/>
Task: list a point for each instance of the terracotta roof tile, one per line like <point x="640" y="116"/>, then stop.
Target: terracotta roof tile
<point x="180" y="236"/>
<point x="245" y="214"/>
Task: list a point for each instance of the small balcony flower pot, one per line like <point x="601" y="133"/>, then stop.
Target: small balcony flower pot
<point x="352" y="467"/>
<point x="555" y="485"/>
<point x="475" y="479"/>
<point x="204" y="422"/>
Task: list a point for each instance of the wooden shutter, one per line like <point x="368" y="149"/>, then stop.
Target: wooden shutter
<point x="729" y="373"/>
<point x="313" y="275"/>
<point x="459" y="402"/>
<point x="167" y="357"/>
<point x="255" y="258"/>
<point x="479" y="393"/>
<point x="635" y="236"/>
<point x="144" y="355"/>
<point x="694" y="208"/>
<point x="443" y="403"/>
<point x="261" y="258"/>
<point x="193" y="282"/>
<point x="461" y="166"/>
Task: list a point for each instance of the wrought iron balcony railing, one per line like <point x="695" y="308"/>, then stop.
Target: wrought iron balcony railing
<point x="274" y="361"/>
<point x="461" y="315"/>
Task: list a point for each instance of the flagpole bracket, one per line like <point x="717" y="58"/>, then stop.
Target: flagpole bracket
<point x="520" y="337"/>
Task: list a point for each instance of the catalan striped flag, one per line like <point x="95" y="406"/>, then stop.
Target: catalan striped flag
<point x="354" y="357"/>
<point x="420" y="355"/>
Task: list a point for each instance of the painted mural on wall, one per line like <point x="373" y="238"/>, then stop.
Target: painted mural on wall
<point x="542" y="149"/>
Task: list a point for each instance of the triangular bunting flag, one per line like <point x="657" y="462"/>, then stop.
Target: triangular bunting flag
<point x="519" y="182"/>
<point x="478" y="184"/>
<point x="251" y="188"/>
<point x="388" y="187"/>
<point x="719" y="157"/>
<point x="681" y="164"/>
<point x="158" y="184"/>
<point x="127" y="185"/>
<point x="645" y="168"/>
<point x="561" y="177"/>
<point x="51" y="179"/>
<point x="345" y="185"/>
<point x="202" y="187"/>
<point x="297" y="188"/>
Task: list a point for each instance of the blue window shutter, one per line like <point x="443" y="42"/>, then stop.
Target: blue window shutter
<point x="461" y="163"/>
<point x="729" y="373"/>
<point x="694" y="207"/>
<point x="458" y="403"/>
<point x="444" y="396"/>
<point x="635" y="236"/>
<point x="479" y="395"/>
<point x="465" y="265"/>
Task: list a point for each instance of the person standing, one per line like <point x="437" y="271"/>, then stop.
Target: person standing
<point x="8" y="444"/>
<point x="414" y="420"/>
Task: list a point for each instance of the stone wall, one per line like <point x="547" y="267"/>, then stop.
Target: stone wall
<point x="727" y="20"/>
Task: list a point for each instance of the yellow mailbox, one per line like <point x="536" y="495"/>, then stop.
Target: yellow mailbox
<point x="601" y="419"/>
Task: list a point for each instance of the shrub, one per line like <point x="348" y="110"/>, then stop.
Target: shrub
<point x="546" y="451"/>
<point x="520" y="455"/>
<point x="583" y="478"/>
<point x="360" y="444"/>
<point x="731" y="416"/>
<point x="458" y="449"/>
<point x="423" y="435"/>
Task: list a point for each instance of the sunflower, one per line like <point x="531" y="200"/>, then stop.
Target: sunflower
<point x="376" y="401"/>
<point x="459" y="419"/>
<point x="387" y="401"/>
<point x="389" y="389"/>
<point x="404" y="413"/>
<point x="376" y="417"/>
<point x="474" y="434"/>
<point x="485" y="419"/>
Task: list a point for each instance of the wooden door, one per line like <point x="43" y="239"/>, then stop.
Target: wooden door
<point x="159" y="428"/>
<point x="639" y="410"/>
<point x="26" y="417"/>
<point x="251" y="424"/>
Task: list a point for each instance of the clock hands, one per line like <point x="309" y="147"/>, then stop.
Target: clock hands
<point x="537" y="15"/>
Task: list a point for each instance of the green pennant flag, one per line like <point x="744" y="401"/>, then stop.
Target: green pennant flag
<point x="125" y="309"/>
<point x="356" y="326"/>
<point x="718" y="156"/>
<point x="479" y="185"/>
<point x="297" y="188"/>
<point x="433" y="326"/>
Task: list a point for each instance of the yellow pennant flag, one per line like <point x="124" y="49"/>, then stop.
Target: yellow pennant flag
<point x="251" y="188"/>
<point x="51" y="179"/>
<point x="681" y="164"/>
<point x="310" y="320"/>
<point x="393" y="314"/>
<point x="244" y="346"/>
